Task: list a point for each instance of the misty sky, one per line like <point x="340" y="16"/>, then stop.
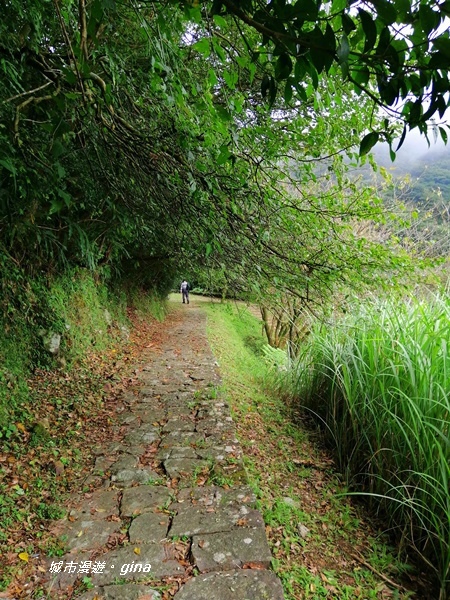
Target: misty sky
<point x="415" y="148"/>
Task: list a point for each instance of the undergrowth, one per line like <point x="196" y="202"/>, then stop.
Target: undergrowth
<point x="378" y="379"/>
<point x="78" y="309"/>
<point x="48" y="403"/>
<point x="324" y="545"/>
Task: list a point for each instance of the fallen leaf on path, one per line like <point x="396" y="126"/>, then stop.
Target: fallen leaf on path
<point x="253" y="565"/>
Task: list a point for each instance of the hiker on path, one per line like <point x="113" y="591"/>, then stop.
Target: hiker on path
<point x="185" y="291"/>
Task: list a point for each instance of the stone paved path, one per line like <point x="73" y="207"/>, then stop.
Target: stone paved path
<point x="173" y="493"/>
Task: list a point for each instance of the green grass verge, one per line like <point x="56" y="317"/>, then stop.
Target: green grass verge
<point x="323" y="545"/>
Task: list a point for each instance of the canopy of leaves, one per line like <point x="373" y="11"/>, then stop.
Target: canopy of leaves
<point x="135" y="136"/>
<point x="396" y="51"/>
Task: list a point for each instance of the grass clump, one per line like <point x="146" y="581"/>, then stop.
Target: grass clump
<point x="379" y="381"/>
<point x="148" y="303"/>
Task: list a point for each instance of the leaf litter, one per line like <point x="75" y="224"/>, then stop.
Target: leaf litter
<point x="50" y="455"/>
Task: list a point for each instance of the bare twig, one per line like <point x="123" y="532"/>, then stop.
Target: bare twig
<point x="83" y="29"/>
<point x="69" y="46"/>
<point x="38" y="89"/>
<point x="380" y="575"/>
<point x="25" y="103"/>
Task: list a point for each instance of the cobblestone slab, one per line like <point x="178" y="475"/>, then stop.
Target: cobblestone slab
<point x="191" y="520"/>
<point x="127" y="591"/>
<point x="237" y="585"/>
<point x="184" y="467"/>
<point x="154" y="561"/>
<point x="88" y="534"/>
<point x="240" y="547"/>
<point x="149" y="527"/>
<point x="144" y="498"/>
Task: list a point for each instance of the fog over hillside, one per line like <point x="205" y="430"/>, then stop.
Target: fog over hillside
<point x="414" y="155"/>
<point x="426" y="169"/>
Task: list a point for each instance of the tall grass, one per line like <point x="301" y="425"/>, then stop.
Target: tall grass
<point x="379" y="380"/>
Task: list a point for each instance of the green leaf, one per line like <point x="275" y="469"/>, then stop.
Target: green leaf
<point x="61" y="171"/>
<point x="369" y="28"/>
<point x="8" y="165"/>
<point x="384" y="41"/>
<point x="71" y="78"/>
<point x="445" y="7"/>
<point x="58" y="149"/>
<point x="272" y="91"/>
<point x="301" y="91"/>
<point x="220" y="21"/>
<point x="306" y="9"/>
<point x="219" y="50"/>
<point x="368" y="142"/>
<point x="283" y="67"/>
<point x="386" y="11"/>
<point x="300" y="69"/>
<point x="55" y="206"/>
<point x="438" y="60"/>
<point x="361" y="76"/>
<point x="415" y="110"/>
<point x="265" y="84"/>
<point x="443" y="45"/>
<point x="314" y="75"/>
<point x="428" y="18"/>
<point x="203" y="46"/>
<point x="224" y="155"/>
<point x="230" y="78"/>
<point x="347" y="23"/>
<point x="343" y="50"/>
<point x="403" y="9"/>
<point x="223" y="113"/>
<point x="320" y="59"/>
<point x="268" y="86"/>
<point x="288" y="92"/>
<point x="212" y="78"/>
<point x="329" y="38"/>
<point x="65" y="196"/>
<point x="402" y="138"/>
<point x="338" y="6"/>
<point x="389" y="91"/>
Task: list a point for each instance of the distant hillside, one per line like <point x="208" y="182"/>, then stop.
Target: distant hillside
<point x="432" y="177"/>
<point x="429" y="169"/>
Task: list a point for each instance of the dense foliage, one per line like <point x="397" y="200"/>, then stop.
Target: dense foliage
<point x="396" y="52"/>
<point x="133" y="134"/>
<point x="149" y="140"/>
